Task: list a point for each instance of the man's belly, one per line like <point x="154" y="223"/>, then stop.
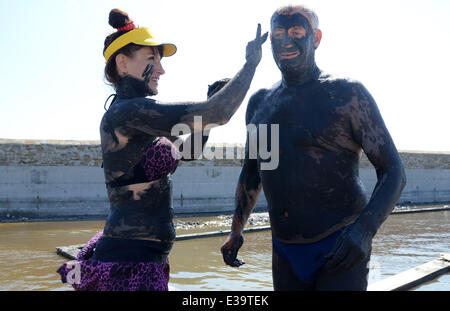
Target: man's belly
<point x="307" y="205"/>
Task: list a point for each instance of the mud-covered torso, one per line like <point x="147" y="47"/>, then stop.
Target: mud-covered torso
<point x="137" y="170"/>
<point x="142" y="211"/>
<point x="315" y="190"/>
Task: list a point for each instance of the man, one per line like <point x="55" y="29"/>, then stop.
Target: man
<point x="322" y="223"/>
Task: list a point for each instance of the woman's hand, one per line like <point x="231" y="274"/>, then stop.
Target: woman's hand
<point x="254" y="51"/>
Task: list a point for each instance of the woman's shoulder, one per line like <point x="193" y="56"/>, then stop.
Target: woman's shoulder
<point x="123" y="108"/>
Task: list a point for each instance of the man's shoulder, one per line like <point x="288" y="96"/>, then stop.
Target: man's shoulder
<point x="259" y="95"/>
<point x="332" y="79"/>
<point x="338" y="86"/>
<point x="256" y="99"/>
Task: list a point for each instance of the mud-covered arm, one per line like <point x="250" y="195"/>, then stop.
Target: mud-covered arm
<point x="191" y="147"/>
<point x="371" y="134"/>
<point x="157" y="119"/>
<point x="247" y="192"/>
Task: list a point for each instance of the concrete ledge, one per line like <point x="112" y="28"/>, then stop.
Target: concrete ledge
<point x="22" y="152"/>
<point x="48" y="179"/>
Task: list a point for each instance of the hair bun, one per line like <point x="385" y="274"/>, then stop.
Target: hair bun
<point x="118" y="18"/>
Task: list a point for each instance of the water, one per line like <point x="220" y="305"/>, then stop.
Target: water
<point x="29" y="261"/>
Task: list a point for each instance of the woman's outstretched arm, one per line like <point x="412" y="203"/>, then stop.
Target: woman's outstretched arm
<point x="157" y="119"/>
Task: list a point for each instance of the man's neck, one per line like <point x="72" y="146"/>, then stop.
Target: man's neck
<point x="301" y="77"/>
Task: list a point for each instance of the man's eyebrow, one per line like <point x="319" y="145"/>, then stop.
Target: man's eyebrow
<point x="291" y="14"/>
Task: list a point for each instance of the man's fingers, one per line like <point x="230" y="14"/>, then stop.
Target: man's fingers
<point x="229" y="256"/>
<point x="238" y="263"/>
<point x="341" y="266"/>
<point x="355" y="258"/>
<point x="351" y="262"/>
<point x="334" y="250"/>
<point x="337" y="258"/>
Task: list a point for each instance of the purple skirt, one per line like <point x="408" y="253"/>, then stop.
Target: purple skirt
<point x="85" y="274"/>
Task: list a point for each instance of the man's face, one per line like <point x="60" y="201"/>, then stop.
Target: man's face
<point x="292" y="42"/>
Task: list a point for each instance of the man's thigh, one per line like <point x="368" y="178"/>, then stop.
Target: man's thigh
<point x="354" y="279"/>
<point x="284" y="278"/>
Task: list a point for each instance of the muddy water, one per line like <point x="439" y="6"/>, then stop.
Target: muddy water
<point x="29" y="261"/>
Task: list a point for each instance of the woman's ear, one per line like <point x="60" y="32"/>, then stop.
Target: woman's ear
<point x="121" y="64"/>
<point x="317" y="38"/>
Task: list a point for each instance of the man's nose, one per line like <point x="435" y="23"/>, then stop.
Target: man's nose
<point x="287" y="41"/>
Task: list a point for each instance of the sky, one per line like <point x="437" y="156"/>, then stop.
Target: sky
<point x="53" y="88"/>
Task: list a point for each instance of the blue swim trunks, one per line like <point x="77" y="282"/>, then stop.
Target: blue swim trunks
<point x="306" y="259"/>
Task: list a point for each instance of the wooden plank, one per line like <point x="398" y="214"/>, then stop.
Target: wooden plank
<point x="217" y="233"/>
<point x="422" y="210"/>
<point x="413" y="277"/>
<point x="71" y="251"/>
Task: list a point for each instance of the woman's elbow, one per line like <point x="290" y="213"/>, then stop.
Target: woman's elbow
<point x="222" y="121"/>
<point x="218" y="121"/>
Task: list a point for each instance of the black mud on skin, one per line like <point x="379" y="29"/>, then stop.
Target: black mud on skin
<point x="298" y="69"/>
<point x="148" y="71"/>
<point x="324" y="126"/>
<point x="290" y="20"/>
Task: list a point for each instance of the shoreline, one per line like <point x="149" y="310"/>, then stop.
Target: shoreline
<point x="257" y="218"/>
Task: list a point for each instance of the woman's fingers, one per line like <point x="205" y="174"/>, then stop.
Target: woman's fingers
<point x="258" y="33"/>
<point x="258" y="38"/>
<point x="264" y="38"/>
<point x="254" y="51"/>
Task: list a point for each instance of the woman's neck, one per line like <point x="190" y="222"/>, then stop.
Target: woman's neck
<point x="129" y="87"/>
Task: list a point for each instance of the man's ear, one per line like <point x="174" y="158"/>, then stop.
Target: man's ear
<point x="317" y="38"/>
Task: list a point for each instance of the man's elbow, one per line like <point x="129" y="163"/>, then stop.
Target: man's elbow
<point x="396" y="173"/>
<point x="399" y="171"/>
<point x="403" y="179"/>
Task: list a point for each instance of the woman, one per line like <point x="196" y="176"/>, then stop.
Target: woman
<point x="132" y="253"/>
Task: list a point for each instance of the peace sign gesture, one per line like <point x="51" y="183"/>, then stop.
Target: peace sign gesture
<point x="254" y="51"/>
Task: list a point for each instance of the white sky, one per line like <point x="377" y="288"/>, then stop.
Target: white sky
<point x="51" y="60"/>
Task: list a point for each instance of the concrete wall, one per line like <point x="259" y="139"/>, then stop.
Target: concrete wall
<point x="48" y="179"/>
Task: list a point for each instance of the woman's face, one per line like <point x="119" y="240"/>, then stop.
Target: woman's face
<point x="145" y="64"/>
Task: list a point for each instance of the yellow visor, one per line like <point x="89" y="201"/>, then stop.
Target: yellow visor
<point x="140" y="36"/>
